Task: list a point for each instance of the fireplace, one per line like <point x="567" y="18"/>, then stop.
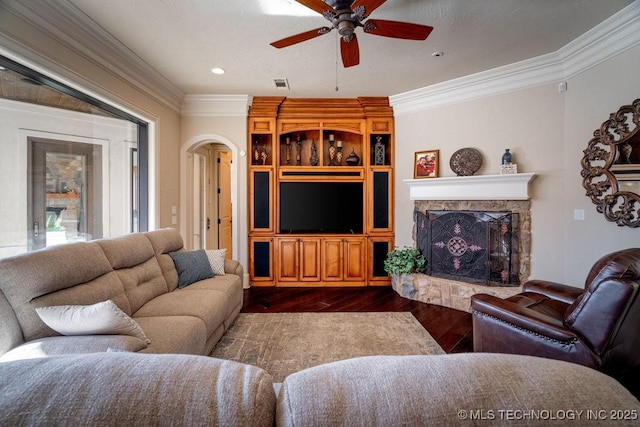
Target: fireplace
<point x="491" y="195"/>
<point x="519" y="231"/>
<point x="478" y="247"/>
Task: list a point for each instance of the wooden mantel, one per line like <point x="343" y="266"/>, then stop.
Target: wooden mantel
<point x="480" y="187"/>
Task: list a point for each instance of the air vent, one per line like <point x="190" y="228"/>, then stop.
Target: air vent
<point x="281" y="83"/>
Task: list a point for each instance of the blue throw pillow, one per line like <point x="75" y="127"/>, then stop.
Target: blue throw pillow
<point x="191" y="266"/>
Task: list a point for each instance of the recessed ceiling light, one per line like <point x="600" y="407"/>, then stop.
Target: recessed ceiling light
<point x="437" y="54"/>
<point x="218" y="70"/>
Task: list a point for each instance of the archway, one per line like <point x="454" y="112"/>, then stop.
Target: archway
<point x="188" y="159"/>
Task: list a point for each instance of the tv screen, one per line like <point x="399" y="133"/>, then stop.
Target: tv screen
<point x="321" y="207"/>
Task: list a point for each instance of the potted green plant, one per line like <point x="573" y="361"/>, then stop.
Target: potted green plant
<point x="405" y="260"/>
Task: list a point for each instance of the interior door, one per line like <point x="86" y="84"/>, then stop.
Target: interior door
<point x="65" y="192"/>
<point x="225" y="207"/>
<point x="199" y="200"/>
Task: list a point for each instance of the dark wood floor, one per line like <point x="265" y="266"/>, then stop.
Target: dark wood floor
<point x="450" y="328"/>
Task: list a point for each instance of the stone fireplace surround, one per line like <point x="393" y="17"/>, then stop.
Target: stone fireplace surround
<point x="480" y="193"/>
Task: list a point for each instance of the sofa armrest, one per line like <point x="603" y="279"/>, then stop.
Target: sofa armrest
<point x="231" y="266"/>
<point x="135" y="389"/>
<point x="440" y="390"/>
<point x="557" y="291"/>
<point x="521" y="317"/>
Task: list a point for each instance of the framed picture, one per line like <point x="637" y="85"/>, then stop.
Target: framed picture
<point x="426" y="163"/>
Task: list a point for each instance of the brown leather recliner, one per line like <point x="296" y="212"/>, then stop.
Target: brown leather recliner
<point x="598" y="326"/>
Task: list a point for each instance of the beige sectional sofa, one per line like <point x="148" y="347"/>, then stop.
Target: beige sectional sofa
<point x="136" y="273"/>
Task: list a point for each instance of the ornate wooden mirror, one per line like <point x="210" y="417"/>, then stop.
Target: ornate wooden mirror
<point x="611" y="167"/>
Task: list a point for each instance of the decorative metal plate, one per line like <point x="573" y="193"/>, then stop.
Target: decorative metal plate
<point x="466" y="161"/>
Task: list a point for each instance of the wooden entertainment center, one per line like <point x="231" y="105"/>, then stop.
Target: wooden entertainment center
<point x="306" y="151"/>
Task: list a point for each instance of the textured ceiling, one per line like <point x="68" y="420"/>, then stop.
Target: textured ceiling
<point x="184" y="39"/>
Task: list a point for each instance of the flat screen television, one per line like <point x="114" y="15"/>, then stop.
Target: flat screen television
<point x="321" y="207"/>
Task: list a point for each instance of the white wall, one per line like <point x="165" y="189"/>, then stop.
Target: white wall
<point x="591" y="97"/>
<point x="18" y="122"/>
<point x="546" y="131"/>
<point x="231" y="131"/>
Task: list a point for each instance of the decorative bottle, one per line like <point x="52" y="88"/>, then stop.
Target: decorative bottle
<point x="506" y="157"/>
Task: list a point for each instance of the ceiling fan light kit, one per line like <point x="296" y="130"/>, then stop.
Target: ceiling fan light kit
<point x="345" y="16"/>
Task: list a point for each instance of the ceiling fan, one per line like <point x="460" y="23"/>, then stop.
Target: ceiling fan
<point x="345" y="16"/>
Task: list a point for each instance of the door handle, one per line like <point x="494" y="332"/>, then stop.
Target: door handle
<point x="36" y="228"/>
<point x="208" y="223"/>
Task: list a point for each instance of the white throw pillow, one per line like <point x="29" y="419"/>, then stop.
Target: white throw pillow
<point x="103" y="318"/>
<point x="216" y="259"/>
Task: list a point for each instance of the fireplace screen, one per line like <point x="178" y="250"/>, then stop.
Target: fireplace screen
<point x="470" y="246"/>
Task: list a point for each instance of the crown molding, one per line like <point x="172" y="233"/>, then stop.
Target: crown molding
<point x="67" y="24"/>
<point x="216" y="105"/>
<point x="608" y="39"/>
<point x="612" y="37"/>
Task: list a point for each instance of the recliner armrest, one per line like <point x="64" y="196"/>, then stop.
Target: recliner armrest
<point x="557" y="291"/>
<point x="521" y="317"/>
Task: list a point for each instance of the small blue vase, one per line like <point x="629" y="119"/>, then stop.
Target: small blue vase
<point x="506" y="157"/>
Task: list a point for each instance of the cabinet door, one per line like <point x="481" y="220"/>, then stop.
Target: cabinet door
<point x="378" y="249"/>
<point x="380" y="201"/>
<point x="309" y="260"/>
<point x="261" y="261"/>
<point x="261" y="200"/>
<point x="355" y="256"/>
<point x="287" y="264"/>
<point x="332" y="260"/>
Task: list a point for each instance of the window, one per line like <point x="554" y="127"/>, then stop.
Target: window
<point x="72" y="168"/>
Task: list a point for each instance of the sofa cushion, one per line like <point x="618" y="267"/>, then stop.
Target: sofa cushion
<point x="126" y="251"/>
<point x="208" y="306"/>
<point x="55" y="346"/>
<point x="191" y="266"/>
<point x="75" y="273"/>
<point x="164" y="241"/>
<point x="103" y="318"/>
<point x="174" y="334"/>
<point x="142" y="283"/>
<point x="216" y="259"/>
<point x="133" y="258"/>
<point x="134" y="389"/>
<point x="229" y="286"/>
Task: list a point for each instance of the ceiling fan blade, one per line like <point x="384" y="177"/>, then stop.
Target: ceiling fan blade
<point x="350" y="52"/>
<point x="398" y="30"/>
<point x="369" y="5"/>
<point x="317" y="5"/>
<point x="307" y="35"/>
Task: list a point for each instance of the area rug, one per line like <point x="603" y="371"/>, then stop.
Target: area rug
<point x="284" y="343"/>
